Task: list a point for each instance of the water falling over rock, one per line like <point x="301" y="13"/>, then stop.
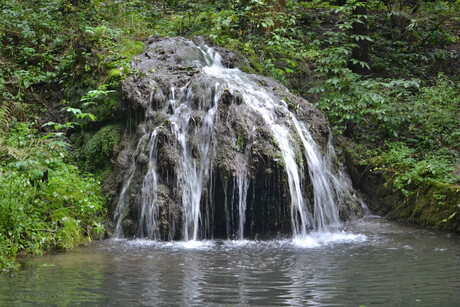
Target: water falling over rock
<point x="218" y="153"/>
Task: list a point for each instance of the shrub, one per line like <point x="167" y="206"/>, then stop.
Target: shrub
<point x="45" y="202"/>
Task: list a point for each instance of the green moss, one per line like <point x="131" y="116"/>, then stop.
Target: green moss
<point x="433" y="204"/>
<point x="255" y="63"/>
<point x="120" y="67"/>
<point x="115" y="73"/>
<point x="131" y="48"/>
<point x="430" y="203"/>
<point x="98" y="150"/>
<point x="438" y="205"/>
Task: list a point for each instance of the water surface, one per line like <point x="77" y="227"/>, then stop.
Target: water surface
<point x="370" y="262"/>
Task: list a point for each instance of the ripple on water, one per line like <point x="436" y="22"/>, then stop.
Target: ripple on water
<point x="362" y="265"/>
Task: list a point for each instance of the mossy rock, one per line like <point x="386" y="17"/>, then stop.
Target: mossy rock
<point x="116" y="74"/>
<point x="98" y="150"/>
<point x="434" y="204"/>
<point x="131" y="48"/>
<point x="431" y="203"/>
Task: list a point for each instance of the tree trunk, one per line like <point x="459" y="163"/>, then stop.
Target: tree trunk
<point x="361" y="51"/>
<point x="276" y="7"/>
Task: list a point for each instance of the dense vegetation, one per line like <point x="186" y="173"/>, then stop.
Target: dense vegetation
<point x="385" y="72"/>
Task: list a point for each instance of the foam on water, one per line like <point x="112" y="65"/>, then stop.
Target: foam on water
<point x="317" y="239"/>
<point x="193" y="244"/>
<point x="238" y="243"/>
<point x="313" y="240"/>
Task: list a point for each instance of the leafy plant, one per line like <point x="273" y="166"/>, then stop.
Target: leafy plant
<point x="45" y="202"/>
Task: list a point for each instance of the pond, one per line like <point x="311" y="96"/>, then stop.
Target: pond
<point x="369" y="262"/>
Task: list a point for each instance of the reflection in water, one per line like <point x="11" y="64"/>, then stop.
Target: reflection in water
<point x="61" y="280"/>
<point x="371" y="263"/>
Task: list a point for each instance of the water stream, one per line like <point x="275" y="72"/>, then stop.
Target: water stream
<point x="372" y="263"/>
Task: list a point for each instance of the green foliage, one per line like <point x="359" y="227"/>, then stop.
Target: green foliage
<point x="45" y="203"/>
<point x="114" y="49"/>
<point x="418" y="121"/>
<point x="75" y="54"/>
<point x="34" y="38"/>
<point x="102" y="102"/>
<point x="269" y="38"/>
<point x="410" y="168"/>
<point x="411" y="41"/>
<point x="81" y="48"/>
<point x="372" y="107"/>
<point x="427" y="140"/>
<point x="435" y="116"/>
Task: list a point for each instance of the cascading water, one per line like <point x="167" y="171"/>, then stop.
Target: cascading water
<point x="242" y="184"/>
<point x="325" y="210"/>
<point x="149" y="202"/>
<point x="197" y="125"/>
<point x="193" y="173"/>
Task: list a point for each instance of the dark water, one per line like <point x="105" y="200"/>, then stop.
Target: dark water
<point x="371" y="263"/>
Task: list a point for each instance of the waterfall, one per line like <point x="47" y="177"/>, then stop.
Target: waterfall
<point x="122" y="201"/>
<point x="149" y="201"/>
<point x="270" y="108"/>
<point x="242" y="184"/>
<point x="192" y="113"/>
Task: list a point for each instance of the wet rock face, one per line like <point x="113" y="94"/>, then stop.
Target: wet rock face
<point x="174" y="63"/>
<point x="216" y="137"/>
